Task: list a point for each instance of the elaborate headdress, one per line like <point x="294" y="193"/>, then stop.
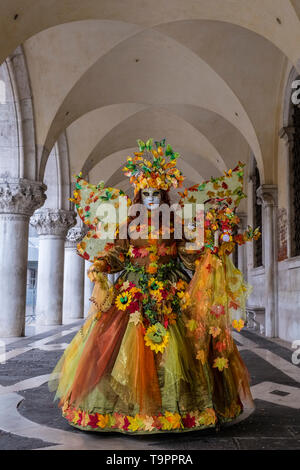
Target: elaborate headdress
<point x="153" y="166"/>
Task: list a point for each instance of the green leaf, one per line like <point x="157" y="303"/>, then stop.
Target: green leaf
<point x="149" y="144"/>
<point x="175" y="156"/>
<point x="141" y="145"/>
<point x="169" y="150"/>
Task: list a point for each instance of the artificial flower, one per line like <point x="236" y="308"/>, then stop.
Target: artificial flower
<point x="157" y="337"/>
<point x="123" y="300"/>
<point x="152" y="268"/>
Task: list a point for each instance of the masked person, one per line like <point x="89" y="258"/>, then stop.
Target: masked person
<point x="156" y="353"/>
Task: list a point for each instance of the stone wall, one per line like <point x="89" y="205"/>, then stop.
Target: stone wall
<point x="289" y="299"/>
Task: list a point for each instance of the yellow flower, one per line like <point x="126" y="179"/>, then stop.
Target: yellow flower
<point x="156" y="338"/>
<point x="238" y="324"/>
<point x="123" y="300"/>
<point x="154" y="284"/>
<point x="220" y="363"/>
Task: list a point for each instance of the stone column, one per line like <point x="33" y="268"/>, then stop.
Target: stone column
<point x="73" y="305"/>
<point x="52" y="226"/>
<point x="288" y="135"/>
<point x="242" y="252"/>
<point x="88" y="288"/>
<point x="19" y="198"/>
<point x="267" y="196"/>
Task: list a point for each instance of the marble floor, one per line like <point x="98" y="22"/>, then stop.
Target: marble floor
<point x="30" y="420"/>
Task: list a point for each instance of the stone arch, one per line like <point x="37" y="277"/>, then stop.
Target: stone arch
<point x="57" y="175"/>
<point x="25" y="148"/>
<point x="9" y="149"/>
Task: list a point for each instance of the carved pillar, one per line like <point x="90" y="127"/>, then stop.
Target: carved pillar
<point x="73" y="276"/>
<point x="19" y="198"/>
<point x="242" y="252"/>
<point x="267" y="196"/>
<point x="287" y="134"/>
<point x="52" y="226"/>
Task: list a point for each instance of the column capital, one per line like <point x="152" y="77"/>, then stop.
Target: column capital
<point x="53" y="221"/>
<point x="21" y="196"/>
<point x="267" y="195"/>
<point x="75" y="235"/>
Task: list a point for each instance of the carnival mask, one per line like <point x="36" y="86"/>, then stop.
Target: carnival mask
<point x="151" y="198"/>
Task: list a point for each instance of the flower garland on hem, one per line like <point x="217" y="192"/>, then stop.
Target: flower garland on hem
<point x="141" y="423"/>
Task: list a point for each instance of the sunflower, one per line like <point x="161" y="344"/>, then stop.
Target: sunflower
<point x="157" y="337"/>
<point x="123" y="300"/>
<point x="154" y="285"/>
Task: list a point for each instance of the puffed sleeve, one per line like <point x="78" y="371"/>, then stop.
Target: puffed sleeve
<point x="188" y="257"/>
<point x="114" y="255"/>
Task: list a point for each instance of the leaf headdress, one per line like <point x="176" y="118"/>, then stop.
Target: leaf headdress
<point x="153" y="166"/>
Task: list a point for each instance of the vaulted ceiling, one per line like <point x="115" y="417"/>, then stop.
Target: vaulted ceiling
<point x="206" y="74"/>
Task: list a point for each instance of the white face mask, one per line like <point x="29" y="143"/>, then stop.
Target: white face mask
<point x="151" y="198"/>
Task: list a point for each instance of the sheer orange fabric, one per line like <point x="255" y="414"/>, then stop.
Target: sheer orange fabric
<point x="99" y="353"/>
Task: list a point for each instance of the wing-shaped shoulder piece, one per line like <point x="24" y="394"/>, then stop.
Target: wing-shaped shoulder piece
<point x="224" y="191"/>
<point x="88" y="199"/>
<point x="102" y="209"/>
<point x="220" y="198"/>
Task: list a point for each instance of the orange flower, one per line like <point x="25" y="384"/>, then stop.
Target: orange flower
<point x="152" y="269"/>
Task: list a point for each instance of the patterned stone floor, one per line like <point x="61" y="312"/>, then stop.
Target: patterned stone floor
<point x="30" y="420"/>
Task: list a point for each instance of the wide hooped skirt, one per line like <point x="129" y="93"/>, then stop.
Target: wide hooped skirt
<point x="108" y="380"/>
